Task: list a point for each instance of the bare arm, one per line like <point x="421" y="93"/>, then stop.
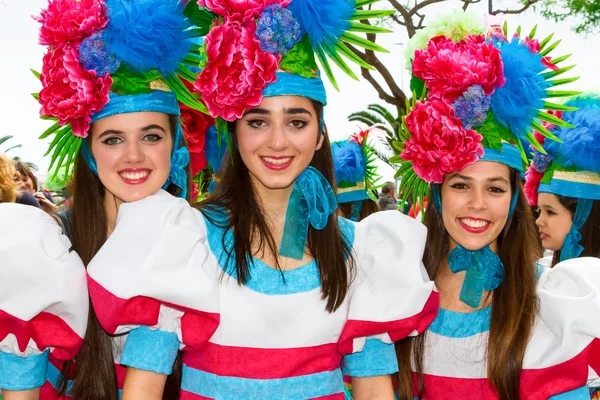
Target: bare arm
<point x="33" y="394"/>
<point x="373" y="388"/>
<point x="143" y="385"/>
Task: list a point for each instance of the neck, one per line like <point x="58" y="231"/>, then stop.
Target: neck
<point x="274" y="203"/>
<point x="111" y="208"/>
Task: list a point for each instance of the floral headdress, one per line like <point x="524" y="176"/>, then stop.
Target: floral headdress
<point x="354" y="167"/>
<point x="262" y="48"/>
<point x="477" y="96"/>
<point x="571" y="167"/>
<point x="110" y="57"/>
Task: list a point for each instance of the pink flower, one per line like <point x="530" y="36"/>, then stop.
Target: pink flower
<point x="239" y="10"/>
<point x="237" y="70"/>
<point x="533" y="45"/>
<point x="194" y="125"/>
<point x="532" y="184"/>
<point x="439" y="144"/>
<point x="450" y="68"/>
<point x="195" y="191"/>
<point x="70" y="21"/>
<point x="71" y="93"/>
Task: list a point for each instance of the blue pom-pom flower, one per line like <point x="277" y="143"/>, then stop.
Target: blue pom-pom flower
<point x="516" y="104"/>
<point x="277" y="30"/>
<point x="147" y="34"/>
<point x="472" y="107"/>
<point x="214" y="155"/>
<point x="94" y="55"/>
<point x="348" y="162"/>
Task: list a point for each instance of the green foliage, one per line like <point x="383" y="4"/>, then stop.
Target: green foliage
<point x="585" y="12"/>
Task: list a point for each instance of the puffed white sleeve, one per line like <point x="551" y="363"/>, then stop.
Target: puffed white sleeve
<point x="154" y="279"/>
<point x="392" y="296"/>
<point x="43" y="296"/>
<point x="569" y="296"/>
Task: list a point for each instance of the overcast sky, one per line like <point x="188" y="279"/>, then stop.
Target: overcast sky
<point x="19" y="52"/>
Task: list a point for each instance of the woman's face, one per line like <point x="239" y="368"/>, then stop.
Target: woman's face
<point x="475" y="204"/>
<point x="133" y="153"/>
<point x="278" y="139"/>
<point x="26" y="183"/>
<point x="554" y="222"/>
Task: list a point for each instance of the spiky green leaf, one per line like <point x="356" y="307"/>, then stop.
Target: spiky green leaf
<point x="546" y="51"/>
<point x="326" y="68"/>
<point x="362" y="42"/>
<point x="35" y="73"/>
<point x="372" y="14"/>
<point x="365" y="28"/>
<point x="560" y="71"/>
<point x="560" y="59"/>
<point x="544" y="132"/>
<point x="349" y="54"/>
<point x="558" y="107"/>
<point x="562" y="93"/>
<point x="553" y="120"/>
<point x="558" y="82"/>
<point x="50" y="131"/>
<point x="532" y="33"/>
<point x="544" y="42"/>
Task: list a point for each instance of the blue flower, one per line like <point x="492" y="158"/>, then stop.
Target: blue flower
<point x="93" y="55"/>
<point x="278" y="31"/>
<point x="541" y="162"/>
<point x="472" y="107"/>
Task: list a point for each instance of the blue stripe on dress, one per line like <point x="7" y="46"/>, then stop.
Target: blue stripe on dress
<point x="375" y="359"/>
<point x="54" y="377"/>
<point x="461" y="325"/>
<point x="264" y="279"/>
<point x="583" y="393"/>
<point x="23" y="373"/>
<point x="294" y="388"/>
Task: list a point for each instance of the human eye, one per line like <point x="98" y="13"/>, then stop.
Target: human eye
<point x="152" y="137"/>
<point x="298" y="123"/>
<point x="459" y="186"/>
<point x="257" y="123"/>
<point x="112" y="141"/>
<point x="497" y="189"/>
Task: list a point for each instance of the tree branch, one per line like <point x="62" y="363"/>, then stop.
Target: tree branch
<point x="422" y="5"/>
<point x="527" y="4"/>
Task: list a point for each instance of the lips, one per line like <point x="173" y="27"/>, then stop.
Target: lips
<point x="135" y="176"/>
<point x="474" y="225"/>
<point x="277" y="163"/>
<point x="544" y="236"/>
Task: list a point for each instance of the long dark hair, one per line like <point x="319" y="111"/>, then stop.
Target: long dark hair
<point x="93" y="373"/>
<point x="590" y="231"/>
<point x="514" y="301"/>
<point x="236" y="194"/>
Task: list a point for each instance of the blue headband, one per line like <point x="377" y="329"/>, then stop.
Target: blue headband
<point x="295" y="85"/>
<point x="509" y="155"/>
<point x="156" y="101"/>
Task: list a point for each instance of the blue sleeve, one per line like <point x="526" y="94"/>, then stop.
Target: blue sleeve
<point x="151" y="350"/>
<point x="376" y="359"/>
<point x="23" y="373"/>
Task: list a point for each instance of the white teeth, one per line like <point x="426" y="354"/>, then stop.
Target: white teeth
<point x="278" y="161"/>
<point x="135" y="175"/>
<point x="474" y="223"/>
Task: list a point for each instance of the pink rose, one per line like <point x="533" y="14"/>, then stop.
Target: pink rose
<point x="237" y="70"/>
<point x="439" y="144"/>
<point x="70" y="21"/>
<point x="71" y="93"/>
<point x="194" y="125"/>
<point x="532" y="185"/>
<point x="450" y="68"/>
<point x="239" y="10"/>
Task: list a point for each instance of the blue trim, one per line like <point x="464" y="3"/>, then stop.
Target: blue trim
<point x="375" y="359"/>
<point x="571" y="189"/>
<point x="264" y="279"/>
<point x="150" y="350"/>
<point x="23" y="373"/>
<point x="583" y="393"/>
<point x="355" y="195"/>
<point x="509" y="155"/>
<point x="296" y="85"/>
<point x="461" y="325"/>
<point x="157" y="101"/>
<point x="54" y="376"/>
<point x="229" y="387"/>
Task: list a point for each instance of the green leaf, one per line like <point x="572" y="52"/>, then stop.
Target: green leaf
<point x="544" y="42"/>
<point x="395" y="159"/>
<point x="553" y="120"/>
<point x="326" y="68"/>
<point x="559" y="107"/>
<point x="59" y="136"/>
<point x="36" y="96"/>
<point x="522" y="151"/>
<point x="532" y="33"/>
<point x="50" y="131"/>
<point x="372" y="14"/>
<point x="346" y="52"/>
<point x="72" y="155"/>
<point x="560" y="71"/>
<point x="558" y="82"/>
<point x="533" y="141"/>
<point x="385" y="113"/>
<point x="201" y="17"/>
<point x="183" y="94"/>
<point x="519" y="31"/>
<point x="362" y="3"/>
<point x="193" y="60"/>
<point x="505" y="28"/>
<point x="365" y="28"/>
<point x="60" y="146"/>
<point x="545" y="52"/>
<point x="544" y="132"/>
<point x="185" y="73"/>
<point x="4" y="139"/>
<point x="129" y="82"/>
<point x="35" y="73"/>
<point x="493" y="132"/>
<point x="362" y="42"/>
<point x="562" y="93"/>
<point x="557" y="60"/>
<point x="417" y="85"/>
<point x="48" y="118"/>
<point x="65" y="151"/>
<point x="300" y="60"/>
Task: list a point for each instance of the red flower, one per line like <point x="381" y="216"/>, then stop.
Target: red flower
<point x="532" y="185"/>
<point x="239" y="10"/>
<point x="450" y="68"/>
<point x="70" y="21"/>
<point x="71" y="93"/>
<point x="237" y="70"/>
<point x="533" y="45"/>
<point x="439" y="144"/>
<point x="194" y="125"/>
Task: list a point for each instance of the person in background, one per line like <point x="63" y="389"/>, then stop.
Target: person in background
<point x="9" y="185"/>
<point x="387" y="200"/>
<point x="29" y="184"/>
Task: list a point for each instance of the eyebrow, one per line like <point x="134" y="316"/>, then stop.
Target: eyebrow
<point x="297" y="111"/>
<point x="287" y="111"/>
<point x="256" y="110"/>
<point x="468" y="178"/>
<point x="144" y="129"/>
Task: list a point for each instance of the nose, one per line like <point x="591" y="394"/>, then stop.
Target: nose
<point x="133" y="152"/>
<point x="278" y="140"/>
<point x="540" y="221"/>
<point x="477" y="201"/>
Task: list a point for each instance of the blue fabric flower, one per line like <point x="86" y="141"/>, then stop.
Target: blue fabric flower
<point x="541" y="162"/>
<point x="95" y="56"/>
<point x="472" y="107"/>
<point x="278" y="30"/>
<point x="348" y="162"/>
<point x="214" y="155"/>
